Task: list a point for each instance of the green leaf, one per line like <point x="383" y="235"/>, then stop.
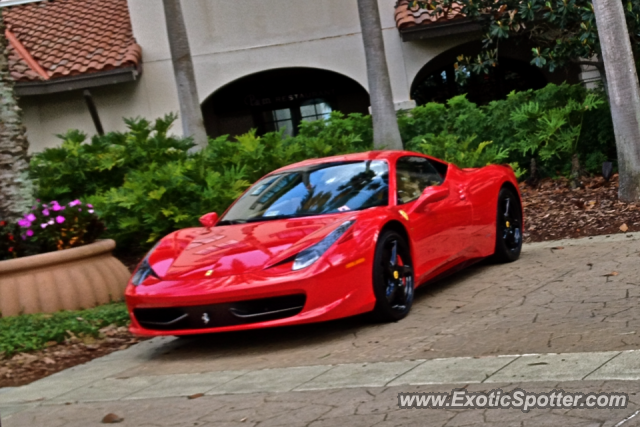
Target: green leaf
<point x="157" y="194"/>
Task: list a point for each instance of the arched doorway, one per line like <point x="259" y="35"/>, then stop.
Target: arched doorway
<point x="280" y="99"/>
<point x="437" y="82"/>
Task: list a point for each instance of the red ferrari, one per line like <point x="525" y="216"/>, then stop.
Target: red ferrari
<point x="325" y="239"/>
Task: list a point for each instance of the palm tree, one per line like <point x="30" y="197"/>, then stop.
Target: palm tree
<point x="190" y="112"/>
<point x="15" y="187"/>
<point x="385" y="123"/>
<point x="624" y="93"/>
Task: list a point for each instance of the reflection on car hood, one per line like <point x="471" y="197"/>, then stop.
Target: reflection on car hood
<point x="238" y="249"/>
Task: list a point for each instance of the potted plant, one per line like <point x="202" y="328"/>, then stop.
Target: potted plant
<point x="52" y="260"/>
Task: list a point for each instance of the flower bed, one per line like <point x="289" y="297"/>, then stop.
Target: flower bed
<point x="50" y="227"/>
<point x="52" y="261"/>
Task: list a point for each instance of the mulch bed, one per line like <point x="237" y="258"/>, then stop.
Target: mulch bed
<point x="552" y="211"/>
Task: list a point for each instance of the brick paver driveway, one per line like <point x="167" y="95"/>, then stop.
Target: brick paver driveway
<point x="562" y="297"/>
<point x="551" y="300"/>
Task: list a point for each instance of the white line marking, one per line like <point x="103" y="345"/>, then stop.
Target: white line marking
<point x="628" y="418"/>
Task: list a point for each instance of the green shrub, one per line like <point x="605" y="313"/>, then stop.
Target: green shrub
<point x="145" y="183"/>
<point x="168" y="196"/>
<point x="450" y="133"/>
<point x="31" y="332"/>
<point x="551" y="132"/>
<point x="153" y="202"/>
<point x="452" y="149"/>
<point x="77" y="169"/>
<point x="495" y="123"/>
<point x="344" y="134"/>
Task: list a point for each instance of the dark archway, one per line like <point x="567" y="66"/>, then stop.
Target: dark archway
<point x="281" y="98"/>
<point x="436" y="81"/>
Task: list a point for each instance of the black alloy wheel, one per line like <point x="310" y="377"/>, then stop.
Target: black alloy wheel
<point x="393" y="278"/>
<point x="508" y="227"/>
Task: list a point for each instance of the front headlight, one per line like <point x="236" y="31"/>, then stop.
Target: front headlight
<point x="144" y="270"/>
<point x="310" y="255"/>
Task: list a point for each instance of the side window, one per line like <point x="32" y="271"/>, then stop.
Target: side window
<point x="413" y="175"/>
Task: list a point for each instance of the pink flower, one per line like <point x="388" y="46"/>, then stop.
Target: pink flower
<point x="31" y="217"/>
<point x="91" y="211"/>
<point x="59" y="219"/>
<point x="29" y="233"/>
<point x="44" y="225"/>
<point x="57" y="208"/>
<point x="45" y="212"/>
<point x="24" y="223"/>
<point x="89" y="205"/>
<point x="50" y="222"/>
<point x="76" y="202"/>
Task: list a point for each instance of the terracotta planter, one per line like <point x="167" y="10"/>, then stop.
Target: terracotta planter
<point x="71" y="279"/>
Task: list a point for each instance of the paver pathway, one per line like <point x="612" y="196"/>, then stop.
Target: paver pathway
<point x="565" y="314"/>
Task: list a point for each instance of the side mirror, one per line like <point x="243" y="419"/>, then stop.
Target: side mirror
<point x="431" y="195"/>
<point x="209" y="220"/>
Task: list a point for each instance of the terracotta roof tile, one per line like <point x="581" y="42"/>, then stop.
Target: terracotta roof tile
<point x="407" y="17"/>
<point x="71" y="37"/>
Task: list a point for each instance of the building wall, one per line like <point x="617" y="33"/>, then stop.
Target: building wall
<point x="230" y="40"/>
<point x="46" y="116"/>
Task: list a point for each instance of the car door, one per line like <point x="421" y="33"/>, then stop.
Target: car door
<point x="438" y="230"/>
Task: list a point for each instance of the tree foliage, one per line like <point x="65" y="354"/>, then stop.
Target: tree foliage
<point x="561" y="31"/>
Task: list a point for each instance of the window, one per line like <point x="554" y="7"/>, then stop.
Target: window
<point x="314" y="190"/>
<point x="413" y="175"/>
<point x="315" y="109"/>
<point x="290" y="118"/>
<point x="280" y="119"/>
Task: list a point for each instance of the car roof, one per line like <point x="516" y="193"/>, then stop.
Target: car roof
<point x="367" y="155"/>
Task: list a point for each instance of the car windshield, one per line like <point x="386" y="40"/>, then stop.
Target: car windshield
<point x="314" y="190"/>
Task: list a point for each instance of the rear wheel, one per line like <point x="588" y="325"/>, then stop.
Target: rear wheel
<point x="393" y="279"/>
<point x="508" y="227"/>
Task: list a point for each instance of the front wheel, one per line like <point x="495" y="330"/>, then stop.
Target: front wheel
<point x="508" y="227"/>
<point x="393" y="278"/>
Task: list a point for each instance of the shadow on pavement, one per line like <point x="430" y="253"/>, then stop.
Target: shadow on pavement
<point x="264" y="341"/>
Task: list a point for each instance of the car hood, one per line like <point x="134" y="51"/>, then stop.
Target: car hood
<point x="237" y="249"/>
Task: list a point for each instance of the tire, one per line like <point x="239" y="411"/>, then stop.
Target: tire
<point x="393" y="283"/>
<point x="508" y="227"/>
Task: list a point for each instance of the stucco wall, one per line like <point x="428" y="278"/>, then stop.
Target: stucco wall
<point x="230" y="40"/>
<point x="46" y="116"/>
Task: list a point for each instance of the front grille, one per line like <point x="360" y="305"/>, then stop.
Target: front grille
<point x="219" y="315"/>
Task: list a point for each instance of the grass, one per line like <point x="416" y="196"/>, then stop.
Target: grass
<point x="32" y="332"/>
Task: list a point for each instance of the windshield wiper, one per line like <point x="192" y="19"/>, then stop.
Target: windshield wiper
<point x="270" y="218"/>
<point x="231" y="222"/>
<point x="276" y="217"/>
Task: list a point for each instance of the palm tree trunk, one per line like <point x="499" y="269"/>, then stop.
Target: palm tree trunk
<point x="15" y="187"/>
<point x="624" y="93"/>
<point x="190" y="112"/>
<point x="385" y="123"/>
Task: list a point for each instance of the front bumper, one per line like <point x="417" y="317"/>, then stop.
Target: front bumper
<point x="249" y="301"/>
